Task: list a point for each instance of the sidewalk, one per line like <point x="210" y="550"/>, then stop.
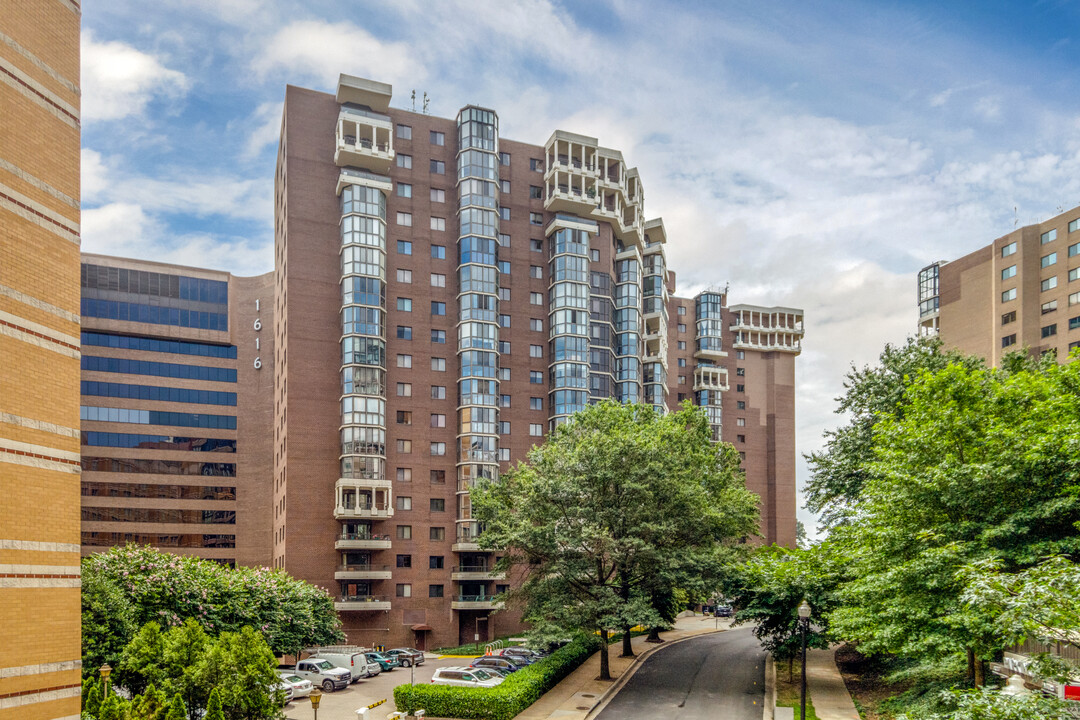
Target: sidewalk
<point x="826" y="687"/>
<point x="580" y="691"/>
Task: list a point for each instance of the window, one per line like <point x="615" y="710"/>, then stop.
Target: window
<point x="1048" y="307"/>
<point x="740" y="422"/>
<point x="504" y="321"/>
<point x="404" y="361"/>
<point x="1074" y="225"/>
<point x="536" y="218"/>
<point x="536" y="351"/>
<point x="504" y="347"/>
<point x="740" y="354"/>
<point x="504" y="427"/>
<point x="1074" y="322"/>
<point x="536" y="403"/>
<point x="594" y="255"/>
<point x="741" y="438"/>
<point x="404" y="474"/>
<point x="404" y="561"/>
<point x="504" y="401"/>
<point x="682" y="362"/>
<point x="1049" y="330"/>
<point x="404" y="389"/>
<point x="438" y="392"/>
<point x="1074" y="274"/>
<point x="435" y="591"/>
<point x="536" y="164"/>
<point x="1008" y="250"/>
<point x="504" y="186"/>
<point x="740" y="405"/>
<point x="681" y="310"/>
<point x="404" y="532"/>
<point x="1008" y="295"/>
<point x="504" y="373"/>
<point x="404" y="447"/>
<point x="438" y="336"/>
<point x="504" y="240"/>
<point x="438" y="364"/>
<point x="536" y="377"/>
<point x="438" y="167"/>
<point x="438" y="223"/>
<point x="1074" y="299"/>
<point x="404" y="132"/>
<point x="1048" y="284"/>
<point x="536" y="245"/>
<point x="438" y="280"/>
<point x="536" y="272"/>
<point x="682" y="344"/>
<point x="504" y="267"/>
<point x="438" y="449"/>
<point x="404" y="161"/>
<point x="438" y="308"/>
<point x="504" y="454"/>
<point x="403" y="502"/>
<point x="438" y="477"/>
<point x="436" y="562"/>
<point x="536" y="429"/>
<point x="404" y="219"/>
<point x="740" y="372"/>
<point x="504" y="158"/>
<point x="682" y="380"/>
<point x="438" y="138"/>
<point x="404" y="589"/>
<point x="1008" y="272"/>
<point x="404" y="332"/>
<point x="438" y="252"/>
<point x="536" y="325"/>
<point x="1049" y="236"/>
<point x="404" y="417"/>
<point x="682" y="328"/>
<point x="438" y="195"/>
<point x="438" y="420"/>
<point x="536" y="193"/>
<point x="536" y="298"/>
<point x="404" y="190"/>
<point x="740" y="388"/>
<point x="504" y="294"/>
<point x="404" y="276"/>
<point x="437" y="533"/>
<point x="404" y="247"/>
<point x="1048" y="260"/>
<point x="1008" y="317"/>
<point x="404" y="304"/>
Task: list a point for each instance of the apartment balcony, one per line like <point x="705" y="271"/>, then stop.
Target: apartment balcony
<point x="474" y="602"/>
<point x="361" y="603"/>
<point x="709" y="352"/>
<point x="577" y="198"/>
<point x="711" y="378"/>
<point x="466" y="545"/>
<point x="475" y="572"/>
<point x="355" y="541"/>
<point x="352" y="176"/>
<point x="365" y="140"/>
<point x="363" y="498"/>
<point x="362" y="571"/>
<point x="768" y="342"/>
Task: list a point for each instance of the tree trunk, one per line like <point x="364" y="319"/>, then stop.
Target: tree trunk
<point x="980" y="674"/>
<point x="605" y="668"/>
<point x="624" y="592"/>
<point x="627" y="648"/>
<point x="654" y="635"/>
<point x="791" y="669"/>
<point x="971" y="665"/>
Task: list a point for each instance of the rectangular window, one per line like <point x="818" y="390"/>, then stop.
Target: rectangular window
<point x="404" y="532"/>
<point x="536" y="193"/>
<point x="1074" y="299"/>
<point x="504" y="427"/>
<point x="404" y="561"/>
<point x="1008" y="250"/>
<point x="1074" y="322"/>
<point x="404" y="474"/>
<point x="438" y="195"/>
<point x="404" y="361"/>
<point x="438" y="252"/>
<point x="1048" y="307"/>
<point x="504" y="158"/>
<point x="740" y="372"/>
<point x="438" y="420"/>
<point x="404" y="589"/>
<point x="504" y="186"/>
<point x="504" y="454"/>
<point x="536" y="298"/>
<point x="504" y="347"/>
<point x="504" y="373"/>
<point x="404" y="389"/>
<point x="536" y="429"/>
<point x="438" y="336"/>
<point x="1049" y="236"/>
<point x="438" y="392"/>
<point x="740" y="388"/>
<point x="438" y="449"/>
<point x="504" y="213"/>
<point x="740" y="354"/>
<point x="404" y="276"/>
<point x="438" y="223"/>
<point x="682" y="328"/>
<point x="404" y="247"/>
<point x="536" y="245"/>
<point x="740" y="405"/>
<point x="536" y="272"/>
<point x="1049" y="330"/>
<point x="1074" y="274"/>
<point x="536" y="403"/>
<point x="536" y="351"/>
<point x="594" y="255"/>
<point x="536" y="218"/>
<point x="740" y="422"/>
<point x="1008" y="295"/>
<point x="741" y="438"/>
<point x="1048" y="284"/>
<point x="438" y="364"/>
<point x="438" y="167"/>
<point x="438" y="138"/>
<point x="682" y="379"/>
<point x="437" y="505"/>
<point x="404" y="304"/>
<point x="681" y="310"/>
<point x="536" y="377"/>
<point x="404" y="132"/>
<point x="404" y="417"/>
<point x="1008" y="272"/>
<point x="438" y="280"/>
<point x="504" y="321"/>
<point x="682" y="362"/>
<point x="438" y="477"/>
<point x="504" y="401"/>
<point x="504" y="240"/>
<point x="1074" y="249"/>
<point x="436" y="562"/>
<point x="435" y="591"/>
<point x="403" y="502"/>
<point x="536" y="325"/>
<point x="682" y="345"/>
<point x="404" y="332"/>
<point x="536" y="164"/>
<point x="404" y="161"/>
<point x="404" y="219"/>
<point x="437" y="533"/>
<point x="404" y="190"/>
<point x="1008" y="317"/>
<point x="504" y="267"/>
<point x="1048" y="260"/>
<point x="504" y="294"/>
<point x="438" y="308"/>
<point x="404" y="447"/>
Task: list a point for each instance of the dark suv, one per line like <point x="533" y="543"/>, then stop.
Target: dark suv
<point x="724" y="611"/>
<point x="494" y="661"/>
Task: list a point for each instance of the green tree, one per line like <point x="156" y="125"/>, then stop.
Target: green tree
<point x="151" y="705"/>
<point x="243" y="669"/>
<point x="990" y="704"/>
<point x="177" y="709"/>
<point x="599" y="509"/>
<point x="140" y="663"/>
<point x="113" y="708"/>
<point x="107" y="623"/>
<point x="213" y="707"/>
<point x="92" y="702"/>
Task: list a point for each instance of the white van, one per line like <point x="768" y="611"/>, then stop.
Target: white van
<point x="354" y="662"/>
<point x="465" y="677"/>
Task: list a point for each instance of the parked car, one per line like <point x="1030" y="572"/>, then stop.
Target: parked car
<point x="355" y="662"/>
<point x="407" y="656"/>
<point x="286" y="689"/>
<point x="525" y="655"/>
<point x="494" y="661"/>
<point x="299" y="687"/>
<point x="465" y="677"/>
<point x="724" y="611"/>
<point x="386" y="662"/>
<point x="321" y="672"/>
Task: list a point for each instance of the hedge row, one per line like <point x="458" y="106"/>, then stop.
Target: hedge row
<point x="503" y="702"/>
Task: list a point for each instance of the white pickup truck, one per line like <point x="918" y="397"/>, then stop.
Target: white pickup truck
<point x="322" y="673"/>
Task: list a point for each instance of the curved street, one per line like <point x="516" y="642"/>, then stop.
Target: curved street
<point x="719" y="676"/>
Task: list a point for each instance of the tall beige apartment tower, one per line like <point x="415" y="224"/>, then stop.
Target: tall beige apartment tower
<point x="1020" y="291"/>
<point x="445" y="297"/>
<point x="39" y="360"/>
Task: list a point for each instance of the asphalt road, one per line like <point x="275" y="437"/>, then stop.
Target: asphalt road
<point x="713" y="677"/>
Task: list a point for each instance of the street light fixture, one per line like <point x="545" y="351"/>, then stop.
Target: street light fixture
<point x="804" y="622"/>
<point x="316" y="696"/>
<point x="105" y="670"/>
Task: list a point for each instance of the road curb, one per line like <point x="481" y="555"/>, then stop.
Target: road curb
<point x="606" y="696"/>
<point x="769" y="711"/>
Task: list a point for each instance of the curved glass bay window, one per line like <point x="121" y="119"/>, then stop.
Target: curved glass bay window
<point x="568" y="319"/>
<point x="708" y="342"/>
<point x="627" y="322"/>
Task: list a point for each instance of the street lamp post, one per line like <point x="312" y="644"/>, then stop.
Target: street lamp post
<point x="105" y="670"/>
<point x="804" y="622"/>
<point x="316" y="696"/>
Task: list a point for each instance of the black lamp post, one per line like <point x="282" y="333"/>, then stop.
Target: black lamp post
<point x="804" y="622"/>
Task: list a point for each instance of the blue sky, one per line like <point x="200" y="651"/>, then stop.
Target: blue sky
<point x="811" y="154"/>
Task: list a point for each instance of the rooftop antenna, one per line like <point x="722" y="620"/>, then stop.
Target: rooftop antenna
<point x="414" y="101"/>
<point x="1016" y="217"/>
<point x="425" y="102"/>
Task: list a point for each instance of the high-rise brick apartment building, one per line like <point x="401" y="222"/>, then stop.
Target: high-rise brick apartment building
<point x="1017" y="292"/>
<point x="443" y="298"/>
<point x="39" y="360"/>
<point x="177" y="405"/>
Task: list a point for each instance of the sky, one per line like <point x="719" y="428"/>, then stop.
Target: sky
<point x="807" y="154"/>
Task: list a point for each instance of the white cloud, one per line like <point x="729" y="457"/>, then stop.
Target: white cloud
<point x="119" y="81"/>
<point x="263" y="128"/>
<point x="115" y="229"/>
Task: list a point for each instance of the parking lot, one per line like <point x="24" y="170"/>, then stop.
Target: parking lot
<point x="343" y="704"/>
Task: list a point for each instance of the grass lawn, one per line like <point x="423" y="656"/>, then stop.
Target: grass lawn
<point x="788" y="693"/>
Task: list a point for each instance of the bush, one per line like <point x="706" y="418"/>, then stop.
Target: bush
<point x="514" y="694"/>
